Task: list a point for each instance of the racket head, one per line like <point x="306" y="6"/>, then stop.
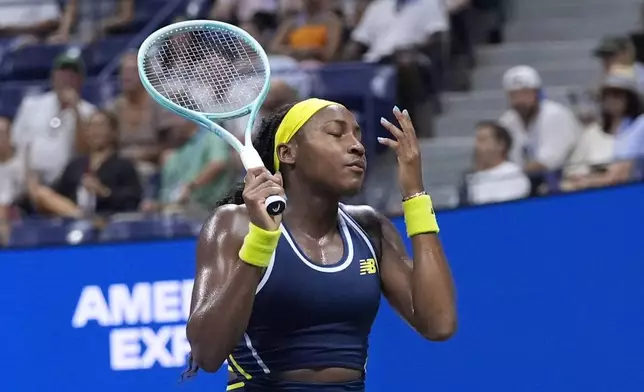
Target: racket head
<point x="192" y="68"/>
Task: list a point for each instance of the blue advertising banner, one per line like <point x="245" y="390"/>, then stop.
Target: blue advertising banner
<point x="549" y="296"/>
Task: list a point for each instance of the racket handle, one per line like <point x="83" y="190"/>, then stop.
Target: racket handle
<point x="275" y="205"/>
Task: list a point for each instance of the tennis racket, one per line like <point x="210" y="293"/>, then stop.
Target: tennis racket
<point x="208" y="71"/>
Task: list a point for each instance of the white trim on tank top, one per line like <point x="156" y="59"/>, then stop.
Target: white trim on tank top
<point x="344" y="217"/>
<point x="253" y="352"/>
<point x="267" y="273"/>
<point x="348" y="258"/>
<point x="361" y="232"/>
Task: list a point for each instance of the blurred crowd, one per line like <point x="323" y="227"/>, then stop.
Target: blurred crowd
<point x="539" y="146"/>
<point x="61" y="156"/>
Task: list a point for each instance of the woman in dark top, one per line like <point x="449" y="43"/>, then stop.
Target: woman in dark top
<point x="100" y="182"/>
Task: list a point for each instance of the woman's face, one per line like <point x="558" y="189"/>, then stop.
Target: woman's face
<point x="328" y="152"/>
<point x="99" y="133"/>
<point x="614" y="102"/>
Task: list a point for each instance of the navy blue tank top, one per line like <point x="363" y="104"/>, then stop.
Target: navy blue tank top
<point x="309" y="316"/>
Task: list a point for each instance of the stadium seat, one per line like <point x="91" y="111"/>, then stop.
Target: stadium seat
<point x="30" y="62"/>
<point x="100" y="53"/>
<point x="148" y="7"/>
<point x="36" y="232"/>
<point x="147" y="229"/>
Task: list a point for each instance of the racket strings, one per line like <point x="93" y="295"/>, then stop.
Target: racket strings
<point x="208" y="71"/>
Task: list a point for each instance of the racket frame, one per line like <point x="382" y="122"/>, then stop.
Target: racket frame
<point x="249" y="156"/>
<point x="275" y="204"/>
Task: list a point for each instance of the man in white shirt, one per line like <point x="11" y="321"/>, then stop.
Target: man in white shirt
<point x="495" y="179"/>
<point x="47" y="126"/>
<point x="544" y="132"/>
<point x="409" y="34"/>
<point x="388" y="26"/>
<point x="28" y="18"/>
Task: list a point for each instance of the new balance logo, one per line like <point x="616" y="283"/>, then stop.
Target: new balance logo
<point x="368" y="267"/>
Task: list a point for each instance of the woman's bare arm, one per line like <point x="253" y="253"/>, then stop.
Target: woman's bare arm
<point x="224" y="290"/>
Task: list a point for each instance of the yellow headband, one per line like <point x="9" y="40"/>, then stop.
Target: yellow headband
<point x="296" y="117"/>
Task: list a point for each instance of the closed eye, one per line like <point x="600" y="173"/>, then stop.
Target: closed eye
<point x="357" y="132"/>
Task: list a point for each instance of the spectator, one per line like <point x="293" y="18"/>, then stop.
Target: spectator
<point x="280" y="94"/>
<point x="408" y="34"/>
<point x="138" y="115"/>
<point x="462" y="48"/>
<point x="28" y="19"/>
<point x="351" y="11"/>
<point x="51" y="124"/>
<point x="492" y="15"/>
<point x="544" y="132"/>
<point x="289" y="70"/>
<point x="594" y="149"/>
<point x="99" y="182"/>
<point x="622" y="112"/>
<point x="12" y="175"/>
<point x="258" y="17"/>
<point x="198" y="172"/>
<point x="389" y="26"/>
<point x="619" y="51"/>
<point x="314" y="34"/>
<point x="495" y="179"/>
<point x="89" y="20"/>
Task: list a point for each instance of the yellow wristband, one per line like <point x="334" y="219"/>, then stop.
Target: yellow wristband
<point x="259" y="245"/>
<point x="419" y="216"/>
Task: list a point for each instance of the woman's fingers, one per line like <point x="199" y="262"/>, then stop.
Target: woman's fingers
<point x="394" y="130"/>
<point x="388" y="142"/>
<point x="404" y="119"/>
<point x="405" y="136"/>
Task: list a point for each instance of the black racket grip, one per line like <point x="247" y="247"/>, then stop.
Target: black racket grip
<point x="275" y="205"/>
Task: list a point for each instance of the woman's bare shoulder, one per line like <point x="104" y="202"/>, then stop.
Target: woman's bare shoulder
<point x="229" y="220"/>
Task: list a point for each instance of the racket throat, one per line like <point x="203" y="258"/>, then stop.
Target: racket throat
<point x="250" y="158"/>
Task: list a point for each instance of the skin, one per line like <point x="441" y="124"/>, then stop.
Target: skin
<point x="488" y="151"/>
<point x="323" y="163"/>
<point x="6" y="153"/>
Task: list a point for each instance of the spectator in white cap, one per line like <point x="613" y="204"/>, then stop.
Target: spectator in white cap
<point x="544" y="132"/>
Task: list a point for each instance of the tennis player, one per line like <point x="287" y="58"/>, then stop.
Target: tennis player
<point x="290" y="300"/>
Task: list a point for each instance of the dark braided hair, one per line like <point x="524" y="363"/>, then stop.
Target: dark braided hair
<point x="264" y="143"/>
